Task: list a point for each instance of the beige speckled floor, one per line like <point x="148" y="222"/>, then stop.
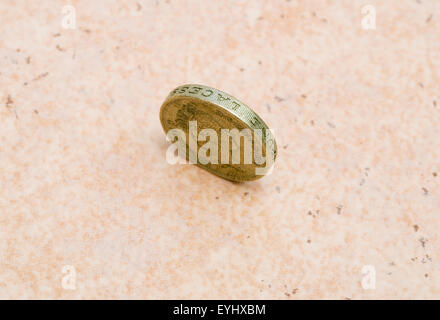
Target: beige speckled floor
<point x="83" y="177"/>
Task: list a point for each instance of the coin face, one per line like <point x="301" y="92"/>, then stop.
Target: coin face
<point x="220" y="133"/>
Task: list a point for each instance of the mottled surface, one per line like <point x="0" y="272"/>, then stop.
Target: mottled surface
<point x="84" y="181"/>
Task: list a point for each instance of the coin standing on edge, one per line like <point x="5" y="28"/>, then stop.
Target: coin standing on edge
<point x="207" y="116"/>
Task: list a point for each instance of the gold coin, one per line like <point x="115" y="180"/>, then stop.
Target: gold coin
<point x="208" y="119"/>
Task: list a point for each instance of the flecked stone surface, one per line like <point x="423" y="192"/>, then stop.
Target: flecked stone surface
<point x="83" y="177"/>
